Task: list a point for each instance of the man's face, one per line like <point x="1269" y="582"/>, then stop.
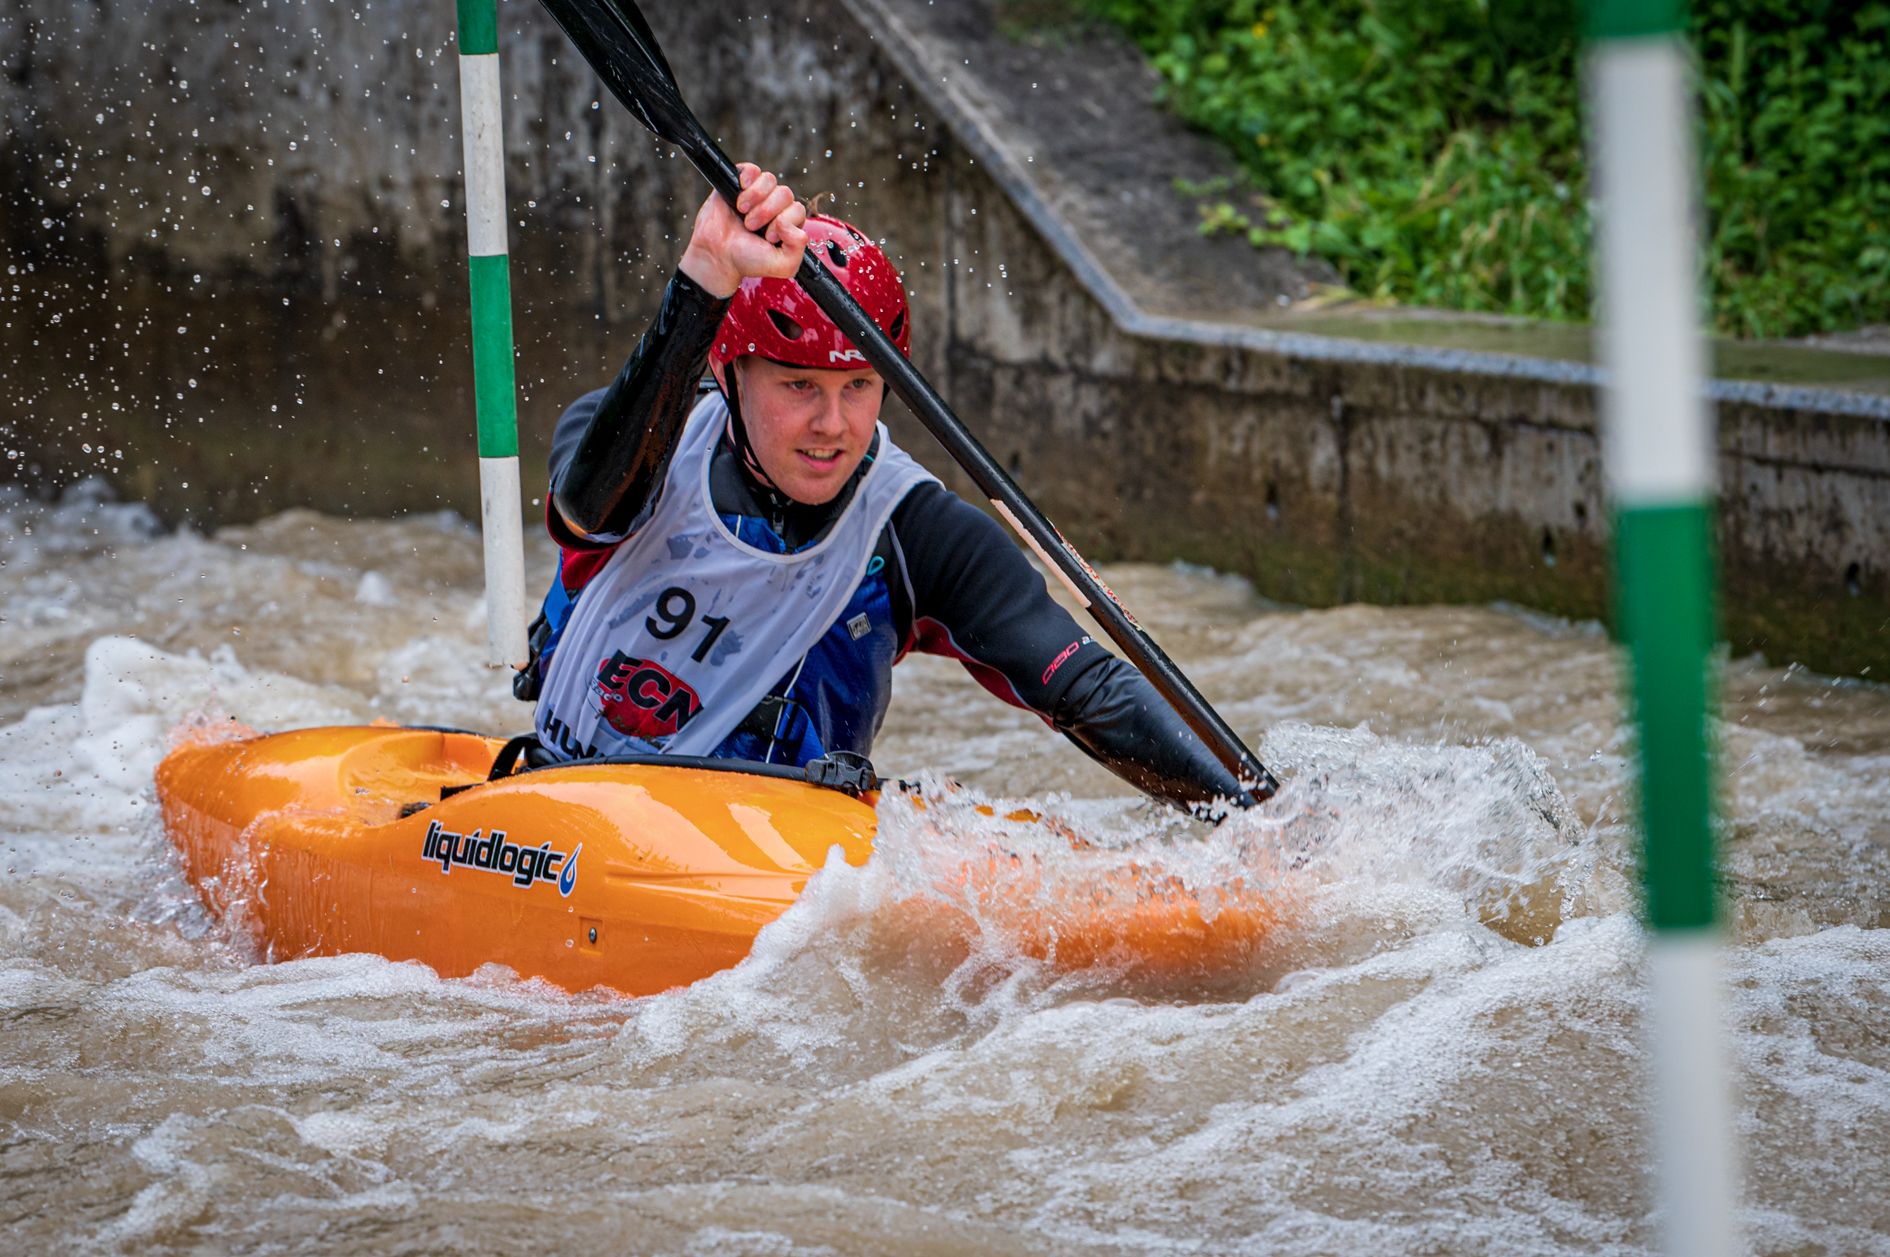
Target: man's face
<point x="809" y="426"/>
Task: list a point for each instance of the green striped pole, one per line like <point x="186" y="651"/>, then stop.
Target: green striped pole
<point x="493" y="386"/>
<point x="1658" y="449"/>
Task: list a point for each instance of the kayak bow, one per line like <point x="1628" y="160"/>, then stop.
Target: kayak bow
<point x="630" y="876"/>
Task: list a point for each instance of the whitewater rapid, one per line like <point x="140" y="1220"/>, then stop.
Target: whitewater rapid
<point x="1440" y="1051"/>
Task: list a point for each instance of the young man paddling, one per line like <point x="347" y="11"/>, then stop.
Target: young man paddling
<point x="742" y="566"/>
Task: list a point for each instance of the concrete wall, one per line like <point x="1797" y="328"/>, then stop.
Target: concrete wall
<point x="1331" y="478"/>
<point x="1325" y="470"/>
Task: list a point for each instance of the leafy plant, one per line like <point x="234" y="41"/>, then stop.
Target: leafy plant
<point x="1432" y="149"/>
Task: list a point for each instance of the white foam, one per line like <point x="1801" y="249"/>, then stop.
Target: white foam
<point x="375" y="590"/>
<point x="84" y="520"/>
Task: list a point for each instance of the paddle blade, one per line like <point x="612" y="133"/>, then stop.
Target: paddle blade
<point x="614" y="38"/>
<point x="632" y="18"/>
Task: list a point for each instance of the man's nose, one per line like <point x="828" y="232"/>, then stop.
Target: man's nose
<point x="828" y="418"/>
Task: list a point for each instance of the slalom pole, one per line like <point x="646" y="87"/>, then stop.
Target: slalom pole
<point x="494" y="389"/>
<point x="1658" y="453"/>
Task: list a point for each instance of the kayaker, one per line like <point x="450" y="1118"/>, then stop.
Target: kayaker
<point x="743" y="561"/>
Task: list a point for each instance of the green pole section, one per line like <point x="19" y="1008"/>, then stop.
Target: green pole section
<point x="1635" y="19"/>
<point x="1664" y="576"/>
<point x="495" y="387"/>
<point x="478" y="27"/>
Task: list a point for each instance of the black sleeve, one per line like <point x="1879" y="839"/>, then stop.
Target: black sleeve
<point x="1122" y="722"/>
<point x="976" y="598"/>
<point x="612" y="447"/>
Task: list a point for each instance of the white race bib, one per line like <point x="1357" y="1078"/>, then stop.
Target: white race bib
<point x="686" y="627"/>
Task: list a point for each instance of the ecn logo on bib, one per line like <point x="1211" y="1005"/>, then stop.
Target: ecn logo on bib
<point x="640" y="698"/>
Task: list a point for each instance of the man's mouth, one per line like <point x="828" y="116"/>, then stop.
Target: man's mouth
<point x="821" y="458"/>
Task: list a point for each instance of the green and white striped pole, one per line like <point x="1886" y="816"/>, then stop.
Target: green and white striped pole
<point x="1659" y="450"/>
<point x="493" y="385"/>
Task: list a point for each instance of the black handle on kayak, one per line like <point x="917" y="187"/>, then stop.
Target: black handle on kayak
<point x="614" y="38"/>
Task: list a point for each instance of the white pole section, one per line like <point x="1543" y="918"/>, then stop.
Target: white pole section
<point x="494" y="388"/>
<point x="1658" y="450"/>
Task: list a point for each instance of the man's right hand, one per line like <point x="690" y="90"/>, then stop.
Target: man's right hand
<point x="762" y="235"/>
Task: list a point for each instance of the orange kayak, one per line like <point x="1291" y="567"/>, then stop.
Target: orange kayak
<point x="634" y="876"/>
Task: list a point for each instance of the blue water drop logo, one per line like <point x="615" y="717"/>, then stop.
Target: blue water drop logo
<point x="567" y="877"/>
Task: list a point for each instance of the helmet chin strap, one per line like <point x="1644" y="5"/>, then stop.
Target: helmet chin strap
<point x="738" y="432"/>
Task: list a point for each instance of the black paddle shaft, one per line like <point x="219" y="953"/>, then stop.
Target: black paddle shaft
<point x="614" y="38"/>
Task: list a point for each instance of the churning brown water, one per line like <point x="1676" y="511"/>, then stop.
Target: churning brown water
<point x="1439" y="1054"/>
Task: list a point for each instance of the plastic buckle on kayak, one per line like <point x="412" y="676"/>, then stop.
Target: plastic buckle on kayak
<point x="843" y="771"/>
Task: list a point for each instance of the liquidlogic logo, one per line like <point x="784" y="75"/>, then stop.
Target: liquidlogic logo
<point x="495" y="853"/>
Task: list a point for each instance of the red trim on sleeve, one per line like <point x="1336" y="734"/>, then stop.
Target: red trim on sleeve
<point x="929" y="637"/>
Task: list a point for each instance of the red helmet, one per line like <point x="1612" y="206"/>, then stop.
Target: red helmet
<point x="775" y="319"/>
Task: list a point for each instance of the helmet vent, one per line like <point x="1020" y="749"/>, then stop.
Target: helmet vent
<point x="898" y="325"/>
<point x="784" y="325"/>
<point x="838" y="254"/>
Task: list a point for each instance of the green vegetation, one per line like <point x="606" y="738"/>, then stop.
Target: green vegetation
<point x="1432" y="149"/>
